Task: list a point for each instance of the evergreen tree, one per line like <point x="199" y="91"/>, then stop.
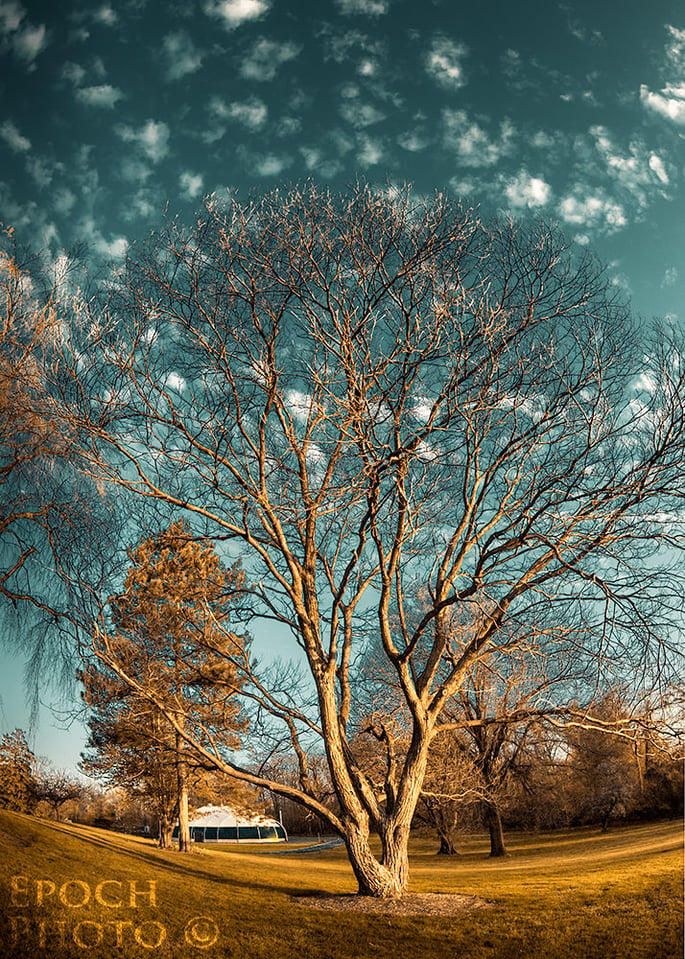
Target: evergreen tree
<point x="171" y="661"/>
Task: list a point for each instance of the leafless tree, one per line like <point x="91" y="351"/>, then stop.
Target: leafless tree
<point x="55" y="787"/>
<point x="371" y="395"/>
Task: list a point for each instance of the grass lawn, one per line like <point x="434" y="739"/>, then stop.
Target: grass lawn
<point x="72" y="891"/>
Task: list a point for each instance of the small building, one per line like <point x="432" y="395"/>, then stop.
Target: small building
<point x="223" y="824"/>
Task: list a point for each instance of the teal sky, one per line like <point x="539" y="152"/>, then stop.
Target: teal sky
<point x="573" y="111"/>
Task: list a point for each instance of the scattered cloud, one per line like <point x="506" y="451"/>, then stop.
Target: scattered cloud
<point x="670" y="276"/>
<point x="578" y="29"/>
<point x="444" y="63"/>
<point x="413" y="140"/>
<point x="29" y="42"/>
<point x="370" y="8"/>
<point x="656" y="165"/>
<point x="356" y="112"/>
<point x="191" y="184"/>
<point x="41" y="170"/>
<point x="251" y="113"/>
<point x="527" y="192"/>
<point x="181" y="55"/>
<point x="13" y="138"/>
<point x="11" y="15"/>
<point x="598" y="211"/>
<point x="102" y="95"/>
<point x="234" y="13"/>
<point x="669" y="102"/>
<point x="264" y="164"/>
<point x="174" y="381"/>
<point x="270" y="165"/>
<point x="265" y="59"/>
<point x="634" y="167"/>
<point x="319" y="162"/>
<point x="152" y="139"/>
<point x="342" y="45"/>
<point x="473" y="145"/>
<point x="106" y="16"/>
<point x="370" y="151"/>
<point x="73" y="73"/>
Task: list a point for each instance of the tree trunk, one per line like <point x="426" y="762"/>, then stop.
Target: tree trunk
<point x="494" y="823"/>
<point x="447" y="847"/>
<point x="183" y="827"/>
<point x="166" y="828"/>
<point x="388" y="878"/>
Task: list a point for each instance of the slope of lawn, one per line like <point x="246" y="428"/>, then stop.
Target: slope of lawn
<point x="67" y="891"/>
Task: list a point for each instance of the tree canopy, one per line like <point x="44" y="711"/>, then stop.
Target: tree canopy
<point x="374" y="397"/>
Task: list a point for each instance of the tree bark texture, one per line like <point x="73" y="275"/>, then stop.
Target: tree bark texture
<point x="183" y="820"/>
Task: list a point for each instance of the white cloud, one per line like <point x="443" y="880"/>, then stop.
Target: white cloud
<point x="656" y="165"/>
<point x="370" y="151"/>
<point x="102" y="95"/>
<point x="175" y="382"/>
<point x="675" y="50"/>
<point x="114" y="249"/>
<point x="63" y="200"/>
<point x="646" y="382"/>
<point x="360" y="114"/>
<point x="443" y="63"/>
<point x="11" y="15"/>
<point x="191" y="184"/>
<point x="413" y="140"/>
<point x="152" y="139"/>
<point x="326" y="167"/>
<point x="526" y="191"/>
<point x="372" y="8"/>
<point x="670" y="103"/>
<point x="270" y="164"/>
<point x="251" y="113"/>
<point x="473" y="145"/>
<point x="41" y="170"/>
<point x="106" y="16"/>
<point x="181" y="55"/>
<point x="73" y="73"/>
<point x="13" y="138"/>
<point x="236" y="12"/>
<point x="265" y="59"/>
<point x="670" y="276"/>
<point x="29" y="42"/>
<point x="581" y="209"/>
<point x="299" y="404"/>
<point x="637" y="170"/>
<point x="426" y="452"/>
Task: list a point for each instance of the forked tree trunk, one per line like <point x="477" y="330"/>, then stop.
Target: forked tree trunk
<point x="447" y="847"/>
<point x="493" y="818"/>
<point x="384" y="879"/>
<point x="166" y="829"/>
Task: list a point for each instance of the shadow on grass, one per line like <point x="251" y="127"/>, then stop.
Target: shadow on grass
<point x="183" y="865"/>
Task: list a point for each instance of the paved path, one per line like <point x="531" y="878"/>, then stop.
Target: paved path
<point x="316" y="847"/>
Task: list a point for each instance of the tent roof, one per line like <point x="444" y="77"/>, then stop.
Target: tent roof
<point x="226" y="816"/>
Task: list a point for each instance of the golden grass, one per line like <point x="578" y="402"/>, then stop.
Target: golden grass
<point x="560" y="896"/>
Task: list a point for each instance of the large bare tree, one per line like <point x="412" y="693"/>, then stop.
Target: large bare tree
<point x="373" y="395"/>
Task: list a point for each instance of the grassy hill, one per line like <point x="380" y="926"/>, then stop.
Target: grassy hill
<point x="72" y="891"/>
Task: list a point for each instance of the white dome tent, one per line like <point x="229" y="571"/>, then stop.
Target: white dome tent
<point x="223" y="824"/>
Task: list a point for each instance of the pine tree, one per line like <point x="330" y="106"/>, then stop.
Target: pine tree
<point x="172" y="638"/>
